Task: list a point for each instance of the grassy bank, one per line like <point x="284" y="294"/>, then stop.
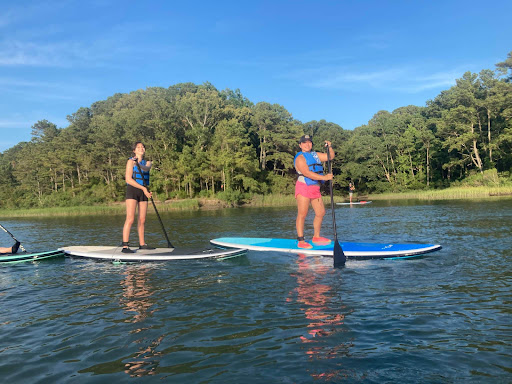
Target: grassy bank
<point x="107" y="209"/>
<point x="283" y="200"/>
<point x="261" y="201"/>
<point x="168" y="206"/>
<point x="64" y="211"/>
<point x="447" y="194"/>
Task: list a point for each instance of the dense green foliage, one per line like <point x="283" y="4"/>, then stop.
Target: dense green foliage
<point x="206" y="142"/>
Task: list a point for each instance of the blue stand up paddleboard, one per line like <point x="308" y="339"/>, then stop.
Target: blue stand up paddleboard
<point x="360" y="251"/>
<point x="12" y="258"/>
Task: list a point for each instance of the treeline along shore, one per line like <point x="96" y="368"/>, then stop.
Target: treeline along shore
<point x="211" y="144"/>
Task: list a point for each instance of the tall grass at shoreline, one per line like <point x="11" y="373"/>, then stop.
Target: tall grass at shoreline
<point x="110" y="209"/>
<point x="272" y="200"/>
<point x="448" y="194"/>
<point x="65" y="211"/>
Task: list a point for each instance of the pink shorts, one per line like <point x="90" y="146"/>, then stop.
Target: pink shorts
<point x="309" y="191"/>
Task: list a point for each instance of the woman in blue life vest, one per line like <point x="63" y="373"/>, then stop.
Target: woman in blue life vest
<point x="137" y="195"/>
<point x="308" y="165"/>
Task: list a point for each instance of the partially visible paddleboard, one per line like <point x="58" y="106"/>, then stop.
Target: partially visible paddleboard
<point x="357" y="203"/>
<point x="360" y="251"/>
<point x="12" y="258"/>
<point x="112" y="253"/>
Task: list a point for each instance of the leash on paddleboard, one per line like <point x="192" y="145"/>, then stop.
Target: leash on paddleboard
<point x="169" y="245"/>
<point x="15" y="239"/>
<point x="339" y="256"/>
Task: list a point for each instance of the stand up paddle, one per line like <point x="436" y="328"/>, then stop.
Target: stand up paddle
<point x="339" y="256"/>
<point x="16" y="240"/>
<point x="169" y="245"/>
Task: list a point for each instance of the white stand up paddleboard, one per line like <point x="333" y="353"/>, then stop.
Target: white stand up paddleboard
<point x="159" y="254"/>
<point x="355" y="203"/>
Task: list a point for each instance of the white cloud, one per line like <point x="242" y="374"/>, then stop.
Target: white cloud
<point x="45" y="90"/>
<point x="398" y="79"/>
<point x="24" y="124"/>
<point x="106" y="51"/>
<point x="434" y="80"/>
<point x="20" y="12"/>
<point x="62" y="54"/>
<point x="15" y="124"/>
<point x="32" y="34"/>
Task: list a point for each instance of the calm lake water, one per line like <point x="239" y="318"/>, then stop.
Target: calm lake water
<point x="266" y="317"/>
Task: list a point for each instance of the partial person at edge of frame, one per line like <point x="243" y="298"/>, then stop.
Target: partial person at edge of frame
<point x="12" y="249"/>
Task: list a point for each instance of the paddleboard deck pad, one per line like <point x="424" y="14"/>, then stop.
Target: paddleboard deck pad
<point x="361" y="251"/>
<point x="12" y="258"/>
<point x="112" y="253"/>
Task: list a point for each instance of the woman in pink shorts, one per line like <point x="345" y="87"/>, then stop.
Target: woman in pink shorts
<point x="308" y="165"/>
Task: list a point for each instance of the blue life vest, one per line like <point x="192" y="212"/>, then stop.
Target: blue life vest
<point x="314" y="165"/>
<point x="137" y="176"/>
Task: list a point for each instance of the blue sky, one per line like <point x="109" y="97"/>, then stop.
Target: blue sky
<point x="341" y="61"/>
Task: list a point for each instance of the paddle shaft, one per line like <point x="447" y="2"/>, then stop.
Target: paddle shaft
<point x="338" y="255"/>
<point x="329" y="169"/>
<point x="10" y="234"/>
<point x="169" y="245"/>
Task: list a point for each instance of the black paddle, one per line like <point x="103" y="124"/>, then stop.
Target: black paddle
<point x="339" y="256"/>
<point x="169" y="245"/>
<point x="16" y="240"/>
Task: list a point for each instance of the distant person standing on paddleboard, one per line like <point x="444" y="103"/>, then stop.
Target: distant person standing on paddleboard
<point x="136" y="195"/>
<point x="351" y="190"/>
<point x="308" y="165"/>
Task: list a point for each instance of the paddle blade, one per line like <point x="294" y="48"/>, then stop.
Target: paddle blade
<point x="339" y="256"/>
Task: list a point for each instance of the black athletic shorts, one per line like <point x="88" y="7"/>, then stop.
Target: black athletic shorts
<point x="135" y="193"/>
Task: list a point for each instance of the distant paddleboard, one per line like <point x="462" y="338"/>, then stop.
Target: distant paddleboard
<point x="359" y="251"/>
<point x="356" y="203"/>
<point x="111" y="253"/>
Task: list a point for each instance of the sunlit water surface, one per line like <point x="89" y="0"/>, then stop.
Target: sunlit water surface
<point x="266" y="317"/>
